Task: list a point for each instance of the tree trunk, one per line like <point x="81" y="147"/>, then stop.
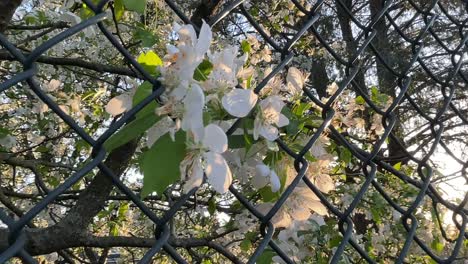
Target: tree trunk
<point x="7" y="9"/>
<point x="387" y="81"/>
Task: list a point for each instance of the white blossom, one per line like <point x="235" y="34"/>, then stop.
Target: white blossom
<point x="192" y="119"/>
<point x="206" y="157"/>
<point x="269" y="118"/>
<point x="163" y="126"/>
<point x="239" y="102"/>
<point x="265" y="175"/>
<point x="295" y="80"/>
<point x="190" y="50"/>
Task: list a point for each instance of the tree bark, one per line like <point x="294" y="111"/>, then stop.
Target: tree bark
<point x="93" y="199"/>
<point x="347" y="33"/>
<point x="7" y="9"/>
<point x="204" y="11"/>
<point x="387" y="81"/>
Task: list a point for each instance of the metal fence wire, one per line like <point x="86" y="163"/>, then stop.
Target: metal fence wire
<point x="361" y="50"/>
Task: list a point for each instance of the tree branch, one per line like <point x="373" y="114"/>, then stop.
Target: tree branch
<point x="94" y="197"/>
<point x="102" y="68"/>
<point x="45" y="241"/>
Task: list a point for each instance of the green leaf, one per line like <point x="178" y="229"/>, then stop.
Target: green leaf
<point x="240" y="141"/>
<point x="293" y="127"/>
<point x="266" y="257"/>
<point x="236" y="141"/>
<point x="4" y="132"/>
<point x="245" y="245"/>
<point x="160" y="164"/>
<point x="334" y="242"/>
<point x="211" y="206"/>
<point x="345" y="155"/>
<point x="143" y="91"/>
<point x="130" y="131"/>
<point x="150" y="61"/>
<point x="374" y="91"/>
<point x="397" y="166"/>
<point x="301" y="108"/>
<point x="85" y="11"/>
<point x="360" y="100"/>
<point x="147" y="38"/>
<point x="249" y="82"/>
<point x="268" y="195"/>
<point x="376" y="215"/>
<point x="437" y="245"/>
<point x="119" y="9"/>
<point x="203" y="70"/>
<point x="138" y="6"/>
<point x="113" y="229"/>
<point x="53" y="182"/>
<point x="251" y="235"/>
<point x="123" y="209"/>
<point x="29" y="20"/>
<point x="245" y="45"/>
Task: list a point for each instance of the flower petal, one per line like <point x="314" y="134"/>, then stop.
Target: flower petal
<point x="215" y="139"/>
<point x="269" y="132"/>
<point x="317" y="207"/>
<point x="53" y="85"/>
<point x="324" y="182"/>
<point x="204" y="40"/>
<point x="274" y="181"/>
<point x="239" y="102"/>
<point x="273" y="101"/>
<point x="295" y="80"/>
<point x="281" y="219"/>
<point x="180" y="91"/>
<point x="187" y="34"/>
<point x="193" y="113"/>
<point x="217" y="172"/>
<point x="257" y="126"/>
<point x="119" y="104"/>
<point x="262" y="170"/>
<point x="282" y="121"/>
<point x="260" y="179"/>
<point x="300" y="213"/>
<point x="195" y="178"/>
<point x="159" y="129"/>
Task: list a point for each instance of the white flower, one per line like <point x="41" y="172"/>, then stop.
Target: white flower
<point x="53" y="85"/>
<point x="332" y="88"/>
<point x="299" y="206"/>
<point x="192" y="119"/>
<point x="206" y="157"/>
<point x="163" y="126"/>
<point x="253" y="41"/>
<point x="225" y="66"/>
<point x="262" y="55"/>
<point x="244" y="74"/>
<point x="296" y="80"/>
<point x="323" y="182"/>
<point x="269" y="118"/>
<point x="264" y="175"/>
<point x="190" y="51"/>
<point x="239" y="102"/>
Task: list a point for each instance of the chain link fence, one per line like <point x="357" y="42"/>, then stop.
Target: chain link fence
<point x="363" y="49"/>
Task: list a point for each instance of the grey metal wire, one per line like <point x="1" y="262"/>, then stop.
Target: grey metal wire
<point x="370" y="160"/>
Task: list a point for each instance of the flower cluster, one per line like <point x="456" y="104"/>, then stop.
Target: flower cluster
<point x="205" y="92"/>
<point x="191" y="93"/>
